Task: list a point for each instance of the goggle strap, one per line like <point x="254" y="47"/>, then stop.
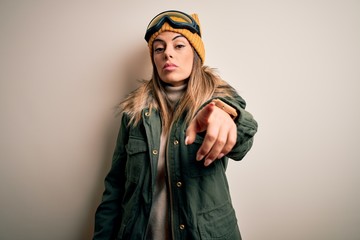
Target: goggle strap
<point x="152" y="28"/>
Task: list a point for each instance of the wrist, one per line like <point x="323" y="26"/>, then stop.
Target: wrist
<point x="226" y="108"/>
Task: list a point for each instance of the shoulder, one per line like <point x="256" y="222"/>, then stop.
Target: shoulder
<point x="137" y="100"/>
<point x="229" y="94"/>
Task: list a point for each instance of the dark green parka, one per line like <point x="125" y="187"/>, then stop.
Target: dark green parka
<point x="199" y="198"/>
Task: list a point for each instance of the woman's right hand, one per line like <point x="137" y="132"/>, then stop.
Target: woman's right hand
<point x="220" y="137"/>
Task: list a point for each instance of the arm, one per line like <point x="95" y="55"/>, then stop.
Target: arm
<point x="108" y="212"/>
<point x="224" y="136"/>
<point x="246" y="128"/>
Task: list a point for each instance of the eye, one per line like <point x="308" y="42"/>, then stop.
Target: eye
<point x="179" y="46"/>
<point x="158" y="49"/>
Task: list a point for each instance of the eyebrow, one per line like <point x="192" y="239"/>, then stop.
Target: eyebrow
<point x="160" y="40"/>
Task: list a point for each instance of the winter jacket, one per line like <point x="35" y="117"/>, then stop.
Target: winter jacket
<point x="199" y="198"/>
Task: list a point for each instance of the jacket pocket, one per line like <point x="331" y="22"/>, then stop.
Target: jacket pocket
<point x="218" y="223"/>
<point x="136" y="153"/>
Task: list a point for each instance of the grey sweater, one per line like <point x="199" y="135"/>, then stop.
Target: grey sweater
<point x="159" y="225"/>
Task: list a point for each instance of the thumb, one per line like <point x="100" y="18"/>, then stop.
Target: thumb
<point x="199" y="123"/>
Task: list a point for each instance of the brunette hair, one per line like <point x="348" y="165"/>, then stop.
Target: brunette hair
<point x="203" y="84"/>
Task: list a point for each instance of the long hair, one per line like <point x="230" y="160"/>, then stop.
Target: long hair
<point x="203" y="84"/>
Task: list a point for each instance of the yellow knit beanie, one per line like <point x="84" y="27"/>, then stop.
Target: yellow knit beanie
<point x="194" y="39"/>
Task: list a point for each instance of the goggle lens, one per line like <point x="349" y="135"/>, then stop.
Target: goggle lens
<point x="186" y="22"/>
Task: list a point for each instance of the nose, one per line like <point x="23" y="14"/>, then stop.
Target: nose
<point x="168" y="53"/>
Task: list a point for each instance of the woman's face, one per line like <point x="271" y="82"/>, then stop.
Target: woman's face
<point x="173" y="57"/>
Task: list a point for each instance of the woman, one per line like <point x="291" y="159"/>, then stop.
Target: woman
<point x="167" y="179"/>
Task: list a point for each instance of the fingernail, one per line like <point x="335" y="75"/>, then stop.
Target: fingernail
<point x="221" y="155"/>
<point x="186" y="140"/>
<point x="207" y="162"/>
<point x="199" y="157"/>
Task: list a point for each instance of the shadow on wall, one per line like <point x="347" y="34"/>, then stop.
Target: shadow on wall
<point x="133" y="67"/>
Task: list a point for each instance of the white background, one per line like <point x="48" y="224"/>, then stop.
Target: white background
<point x="64" y="65"/>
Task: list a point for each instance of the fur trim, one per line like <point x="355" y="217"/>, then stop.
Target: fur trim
<point x="139" y="99"/>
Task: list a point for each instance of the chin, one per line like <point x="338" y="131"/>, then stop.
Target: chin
<point x="175" y="80"/>
<point x="171" y="81"/>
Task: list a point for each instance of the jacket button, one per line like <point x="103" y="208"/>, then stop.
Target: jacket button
<point x="182" y="226"/>
<point x="155" y="152"/>
<point x="147" y="114"/>
<point x="176" y="142"/>
<point x="179" y="184"/>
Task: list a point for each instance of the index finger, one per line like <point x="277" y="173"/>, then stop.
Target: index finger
<point x="199" y="123"/>
<point x="210" y="138"/>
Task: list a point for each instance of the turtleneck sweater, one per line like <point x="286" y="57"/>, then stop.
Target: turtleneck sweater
<point x="159" y="225"/>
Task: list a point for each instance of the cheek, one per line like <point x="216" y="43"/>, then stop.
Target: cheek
<point x="189" y="68"/>
<point x="189" y="64"/>
<point x="191" y="61"/>
<point x="157" y="63"/>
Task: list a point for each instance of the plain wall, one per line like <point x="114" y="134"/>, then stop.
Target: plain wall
<point x="64" y="65"/>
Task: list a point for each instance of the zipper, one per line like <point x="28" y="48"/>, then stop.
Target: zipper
<point x="150" y="146"/>
<point x="171" y="210"/>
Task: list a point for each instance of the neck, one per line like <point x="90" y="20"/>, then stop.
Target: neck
<point x="174" y="93"/>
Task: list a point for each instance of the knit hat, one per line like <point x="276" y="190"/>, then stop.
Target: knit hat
<point x="193" y="38"/>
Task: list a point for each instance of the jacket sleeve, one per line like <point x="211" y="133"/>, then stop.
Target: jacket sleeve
<point x="108" y="213"/>
<point x="246" y="128"/>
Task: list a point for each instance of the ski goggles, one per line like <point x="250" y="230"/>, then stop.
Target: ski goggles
<point x="187" y="22"/>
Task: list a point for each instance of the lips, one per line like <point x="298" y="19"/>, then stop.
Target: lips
<point x="170" y="66"/>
